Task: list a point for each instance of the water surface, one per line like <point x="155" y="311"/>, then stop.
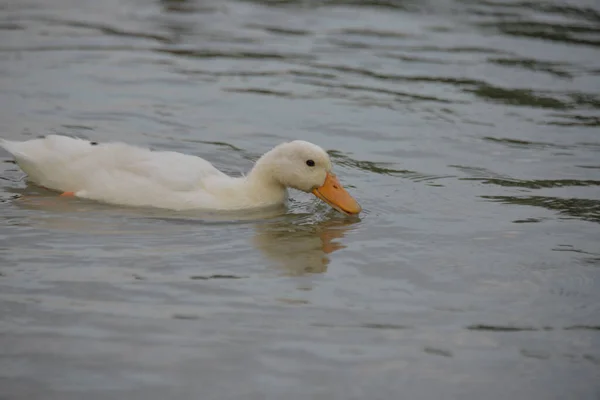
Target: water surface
<point x="468" y="131"/>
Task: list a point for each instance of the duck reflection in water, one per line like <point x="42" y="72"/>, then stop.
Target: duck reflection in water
<point x="295" y="243"/>
<point x="299" y="248"/>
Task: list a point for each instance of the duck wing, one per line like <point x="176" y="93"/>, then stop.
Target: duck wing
<point x="70" y="164"/>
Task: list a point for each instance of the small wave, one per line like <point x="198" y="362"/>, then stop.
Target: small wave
<point x="375" y="33"/>
<point x="536" y="183"/>
<point x="368" y="325"/>
<point x="379" y="168"/>
<point x="217" y="276"/>
<point x="437" y="352"/>
<point x="518" y="143"/>
<point x="179" y="6"/>
<point x="575" y="120"/>
<point x="584" y="209"/>
<point x="527" y="221"/>
<point x="278" y="30"/>
<point x="519" y="97"/>
<point x="415" y="59"/>
<point x="398" y="95"/>
<point x="265" y="92"/>
<point x="505" y="328"/>
<point x="99" y="48"/>
<point x="383" y="168"/>
<point x="457" y="49"/>
<point x="570" y="248"/>
<point x="535" y="65"/>
<point x="583" y="328"/>
<point x="572" y="34"/>
<point x="400" y="5"/>
<point x="514" y="328"/>
<point x="249" y="73"/>
<point x="107" y="29"/>
<point x="550" y="8"/>
<point x="11" y="26"/>
<point x="397" y="78"/>
<point x="256" y="55"/>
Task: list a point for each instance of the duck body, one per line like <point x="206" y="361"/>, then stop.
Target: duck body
<point x="124" y="174"/>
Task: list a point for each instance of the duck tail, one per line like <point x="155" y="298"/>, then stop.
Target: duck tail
<point x="8" y="145"/>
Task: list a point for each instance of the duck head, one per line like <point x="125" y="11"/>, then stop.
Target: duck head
<point x="307" y="167"/>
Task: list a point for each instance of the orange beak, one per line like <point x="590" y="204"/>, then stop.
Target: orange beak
<point x="333" y="193"/>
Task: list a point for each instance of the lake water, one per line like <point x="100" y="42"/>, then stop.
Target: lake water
<point x="468" y="131"/>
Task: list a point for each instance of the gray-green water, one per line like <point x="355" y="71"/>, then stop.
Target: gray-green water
<point x="468" y="130"/>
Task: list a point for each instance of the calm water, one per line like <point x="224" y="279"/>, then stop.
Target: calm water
<point x="468" y="130"/>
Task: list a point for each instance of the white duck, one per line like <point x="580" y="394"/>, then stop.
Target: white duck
<point x="119" y="173"/>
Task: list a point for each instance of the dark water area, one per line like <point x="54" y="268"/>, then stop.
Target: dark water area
<point x="468" y="131"/>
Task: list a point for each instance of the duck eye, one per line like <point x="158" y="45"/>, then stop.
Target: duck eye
<point x="310" y="163"/>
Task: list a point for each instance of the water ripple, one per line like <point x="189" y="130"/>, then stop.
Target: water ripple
<point x="584" y="209"/>
<point x="106" y="29"/>
<point x="536" y="183"/>
<point x="526" y="144"/>
<point x="552" y="68"/>
<point x="567" y="33"/>
<point x="256" y="55"/>
<point x="514" y="328"/>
